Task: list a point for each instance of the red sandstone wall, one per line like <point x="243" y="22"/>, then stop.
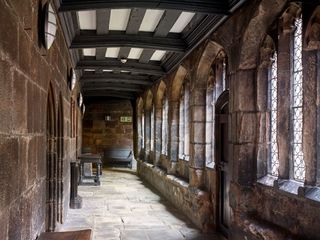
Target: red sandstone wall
<point x="26" y="69"/>
<point x="99" y="133"/>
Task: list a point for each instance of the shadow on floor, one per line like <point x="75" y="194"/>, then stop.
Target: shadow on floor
<point x="212" y="235"/>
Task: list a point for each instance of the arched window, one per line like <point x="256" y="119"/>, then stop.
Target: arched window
<point x="164" y="141"/>
<point x="184" y="125"/>
<point x="273" y="111"/>
<point x="216" y="85"/>
<point x="152" y="128"/>
<point x="296" y="103"/>
<point x="142" y="130"/>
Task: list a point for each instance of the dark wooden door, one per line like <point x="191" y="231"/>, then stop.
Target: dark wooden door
<point x="222" y="128"/>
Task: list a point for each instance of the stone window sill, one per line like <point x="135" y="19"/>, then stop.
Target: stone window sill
<point x="184" y="158"/>
<point x="288" y="186"/>
<point x="292" y="187"/>
<point x="267" y="180"/>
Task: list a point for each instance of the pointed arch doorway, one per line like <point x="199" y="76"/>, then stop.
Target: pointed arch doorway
<point x="54" y="165"/>
<point x="222" y="128"/>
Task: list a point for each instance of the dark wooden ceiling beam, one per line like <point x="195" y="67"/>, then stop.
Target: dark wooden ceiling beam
<point x="115" y="78"/>
<point x="116" y="65"/>
<point x="105" y="93"/>
<point x="167" y="21"/>
<point x="113" y="88"/>
<point x="205" y="6"/>
<point x="171" y="43"/>
<point x="135" y="20"/>
<point x="102" y="23"/>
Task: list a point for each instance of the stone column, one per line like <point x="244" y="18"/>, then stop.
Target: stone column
<point x="157" y="134"/>
<point x="284" y="73"/>
<point x="243" y="127"/>
<point x="263" y="119"/>
<point x="173" y="127"/>
<point x="197" y="137"/>
<point x="311" y="114"/>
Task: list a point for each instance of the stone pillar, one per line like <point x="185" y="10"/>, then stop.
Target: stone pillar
<point x="284" y="73"/>
<point x="147" y="135"/>
<point x="197" y="137"/>
<point x="157" y="134"/>
<point x="173" y="127"/>
<point x="243" y="126"/>
<point x="263" y="119"/>
<point x="311" y="114"/>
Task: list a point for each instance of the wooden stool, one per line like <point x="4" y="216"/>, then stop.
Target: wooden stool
<point x="71" y="235"/>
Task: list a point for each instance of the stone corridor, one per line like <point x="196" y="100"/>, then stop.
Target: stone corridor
<point x="123" y="207"/>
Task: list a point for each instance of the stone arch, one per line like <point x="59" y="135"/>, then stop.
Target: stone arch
<point x="312" y="36"/>
<point x="52" y="164"/>
<point x="177" y="83"/>
<point x="160" y="93"/>
<point x="292" y="12"/>
<point x="148" y="100"/>
<point x="204" y="66"/>
<point x="265" y="15"/>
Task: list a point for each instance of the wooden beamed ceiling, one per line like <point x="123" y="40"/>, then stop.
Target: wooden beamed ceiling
<point x="204" y="6"/>
<point x="125" y="61"/>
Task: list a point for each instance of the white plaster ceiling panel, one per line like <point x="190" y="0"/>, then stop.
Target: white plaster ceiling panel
<point x="89" y="52"/>
<point x="182" y="22"/>
<point x="150" y="20"/>
<point x="87" y="20"/>
<point x="135" y="53"/>
<point x="119" y="19"/>
<point x="158" y="55"/>
<point x="112" y="52"/>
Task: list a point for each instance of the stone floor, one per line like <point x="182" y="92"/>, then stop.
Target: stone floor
<point x="124" y="208"/>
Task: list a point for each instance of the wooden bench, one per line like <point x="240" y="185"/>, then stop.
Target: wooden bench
<point x="71" y="235"/>
<point x="118" y="157"/>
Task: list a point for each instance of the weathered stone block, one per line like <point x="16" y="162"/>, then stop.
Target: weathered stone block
<point x="15" y="221"/>
<point x="6" y="110"/>
<point x="24" y="50"/>
<point x="9" y="182"/>
<point x="246" y="125"/>
<point x="9" y="31"/>
<point x="19" y="120"/>
<point x="244" y="96"/>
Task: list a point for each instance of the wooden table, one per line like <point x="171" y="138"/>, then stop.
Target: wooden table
<point x="93" y="159"/>
<point x="72" y="235"/>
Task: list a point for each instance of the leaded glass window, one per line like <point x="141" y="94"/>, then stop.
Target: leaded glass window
<point x="297" y="97"/>
<point x="273" y="108"/>
<point x="164" y="145"/>
<point x="142" y="130"/>
<point x="152" y="129"/>
<point x="186" y="123"/>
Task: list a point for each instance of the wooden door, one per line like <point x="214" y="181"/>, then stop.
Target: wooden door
<point x="222" y="128"/>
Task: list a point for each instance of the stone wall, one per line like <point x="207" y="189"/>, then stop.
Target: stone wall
<point x="99" y="133"/>
<point x="26" y="72"/>
<point x="262" y="206"/>
<point x="194" y="203"/>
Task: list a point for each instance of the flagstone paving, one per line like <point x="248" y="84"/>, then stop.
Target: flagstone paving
<point x="124" y="208"/>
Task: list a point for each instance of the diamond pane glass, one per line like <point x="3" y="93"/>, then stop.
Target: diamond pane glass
<point x="273" y="107"/>
<point x="164" y="145"/>
<point x="297" y="104"/>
